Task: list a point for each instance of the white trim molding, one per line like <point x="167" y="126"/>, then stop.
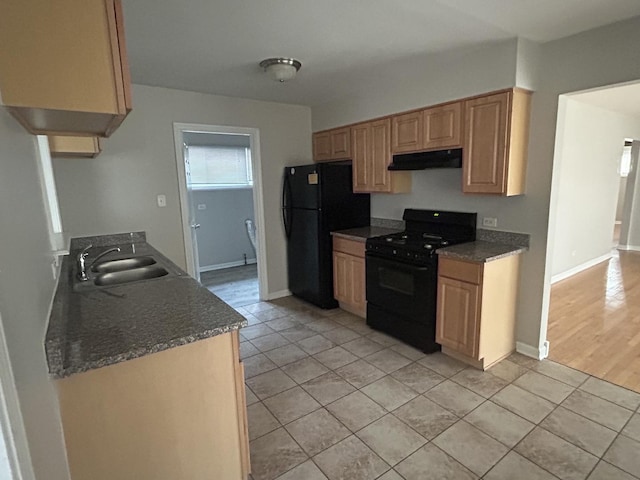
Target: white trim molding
<point x="539" y="353"/>
<point x="571" y="272"/>
<point x="280" y="294"/>
<point x="629" y="248"/>
<point x="221" y="266"/>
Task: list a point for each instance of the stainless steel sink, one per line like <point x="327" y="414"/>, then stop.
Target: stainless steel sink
<point x="132" y="275"/>
<point x="123" y="264"/>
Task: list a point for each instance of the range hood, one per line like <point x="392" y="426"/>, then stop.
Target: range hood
<point x="423" y="160"/>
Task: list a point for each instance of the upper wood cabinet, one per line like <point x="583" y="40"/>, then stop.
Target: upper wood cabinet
<point x="63" y="66"/>
<point x="332" y="145"/>
<point x="89" y="147"/>
<point x="371" y="152"/>
<point x="429" y="129"/>
<point x="496" y="139"/>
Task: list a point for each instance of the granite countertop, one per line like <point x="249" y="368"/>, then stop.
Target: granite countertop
<point x="480" y="251"/>
<point x="92" y="327"/>
<point x="362" y="233"/>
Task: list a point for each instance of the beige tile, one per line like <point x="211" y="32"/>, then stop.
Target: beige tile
<point x="256" y="331"/>
<point x="582" y="432"/>
<point x="480" y="382"/>
<point x="471" y="447"/>
<point x="304" y="370"/>
<point x="305" y="471"/>
<point x="606" y="471"/>
<point x="328" y="388"/>
<point x="297" y="333"/>
<point x="624" y="453"/>
<point x="363" y="347"/>
<point x="321" y="325"/>
<point x="431" y="463"/>
<point x="271" y="314"/>
<point x="556" y="455"/>
<point x="391" y="475"/>
<point x="418" y="377"/>
<point x="271" y="383"/>
<point x="247" y="350"/>
<point x="335" y="357"/>
<point x="426" y="417"/>
<point x="387" y="360"/>
<point x="454" y="398"/>
<point x="383" y="338"/>
<point x="409" y="351"/>
<point x="523" y="403"/>
<point x="260" y="421"/>
<point x="317" y="431"/>
<point x="274" y="454"/>
<point x="561" y="373"/>
<point x="514" y="466"/>
<point x="256" y="365"/>
<point x="251" y="398"/>
<point x="440" y="363"/>
<point x="389" y="393"/>
<point x="356" y="410"/>
<point x="315" y="344"/>
<point x="269" y="342"/>
<point x="632" y="430"/>
<point x="618" y="395"/>
<point x="259" y="307"/>
<point x="543" y="386"/>
<point x="499" y="423"/>
<point x="391" y="439"/>
<point x="507" y="370"/>
<point x="360" y="373"/>
<point x="341" y="335"/>
<point x="350" y="459"/>
<point x="286" y="354"/>
<point x="251" y="320"/>
<point x="282" y="323"/>
<point x="598" y="410"/>
<point x="291" y="405"/>
<point x="523" y="360"/>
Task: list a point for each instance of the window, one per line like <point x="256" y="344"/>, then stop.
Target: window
<point x="625" y="162"/>
<point x="213" y="167"/>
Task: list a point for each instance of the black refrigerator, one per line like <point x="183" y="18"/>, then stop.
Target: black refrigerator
<point x="316" y="200"/>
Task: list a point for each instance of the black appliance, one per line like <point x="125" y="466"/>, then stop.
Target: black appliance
<point x="317" y="199"/>
<point x="423" y="160"/>
<point x="402" y="274"/>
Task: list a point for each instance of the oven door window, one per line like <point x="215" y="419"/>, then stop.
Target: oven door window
<point x="397" y="280"/>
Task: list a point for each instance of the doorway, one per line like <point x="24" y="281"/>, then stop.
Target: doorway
<point x="221" y="204"/>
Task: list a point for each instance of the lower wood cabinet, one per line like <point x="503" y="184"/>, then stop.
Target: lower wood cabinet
<point x="476" y="313"/>
<point x="349" y="275"/>
<point x="179" y="413"/>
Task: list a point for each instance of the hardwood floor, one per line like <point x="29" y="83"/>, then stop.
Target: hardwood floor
<point x="238" y="286"/>
<point x="594" y="320"/>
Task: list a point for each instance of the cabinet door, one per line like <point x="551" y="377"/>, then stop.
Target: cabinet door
<point x="458" y="316"/>
<point x="360" y="140"/>
<point x="321" y="147"/>
<point x="380" y="156"/>
<point x="443" y="126"/>
<point x="358" y="290"/>
<point x="340" y="144"/>
<point x="64" y="146"/>
<point x="485" y="145"/>
<point x="407" y="132"/>
<point x="341" y="277"/>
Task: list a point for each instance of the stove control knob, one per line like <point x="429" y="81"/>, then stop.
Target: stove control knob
<point x="395" y="252"/>
<point x="444" y="243"/>
<point x="428" y="246"/>
<point x="389" y="239"/>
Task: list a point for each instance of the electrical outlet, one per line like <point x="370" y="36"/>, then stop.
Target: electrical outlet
<point x="202" y="206"/>
<point x="489" y="222"/>
<point x="162" y="200"/>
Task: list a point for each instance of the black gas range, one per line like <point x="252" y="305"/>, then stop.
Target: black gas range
<point x="402" y="270"/>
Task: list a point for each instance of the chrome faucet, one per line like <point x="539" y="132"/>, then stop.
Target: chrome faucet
<point x="82" y="256"/>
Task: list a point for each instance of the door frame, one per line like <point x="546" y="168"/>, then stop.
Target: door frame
<point x="258" y="197"/>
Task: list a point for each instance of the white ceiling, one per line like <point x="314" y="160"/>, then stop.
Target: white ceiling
<point x="624" y="99"/>
<point x="214" y="46"/>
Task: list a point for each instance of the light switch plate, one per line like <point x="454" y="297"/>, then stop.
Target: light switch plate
<point x="202" y="206"/>
<point x="162" y="200"/>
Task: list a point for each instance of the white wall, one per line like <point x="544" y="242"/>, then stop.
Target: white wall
<point x="222" y="236"/>
<point x="588" y="157"/>
<point x="595" y="58"/>
<point x="26" y="289"/>
<point x="116" y="192"/>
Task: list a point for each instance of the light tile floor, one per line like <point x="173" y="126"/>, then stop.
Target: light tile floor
<point x="329" y="398"/>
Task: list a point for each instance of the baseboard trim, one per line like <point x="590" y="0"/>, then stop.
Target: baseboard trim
<point x="280" y="294"/>
<point x="220" y="266"/>
<point x="573" y="271"/>
<point x="533" y="352"/>
<point x="632" y="248"/>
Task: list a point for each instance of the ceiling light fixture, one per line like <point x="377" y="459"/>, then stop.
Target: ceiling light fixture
<point x="281" y="69"/>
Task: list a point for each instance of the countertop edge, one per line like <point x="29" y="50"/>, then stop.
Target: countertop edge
<point x="500" y="251"/>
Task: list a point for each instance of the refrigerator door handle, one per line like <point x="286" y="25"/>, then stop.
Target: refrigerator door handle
<point x="286" y="206"/>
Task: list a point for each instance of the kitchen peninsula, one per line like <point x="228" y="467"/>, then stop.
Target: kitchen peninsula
<point x="148" y="374"/>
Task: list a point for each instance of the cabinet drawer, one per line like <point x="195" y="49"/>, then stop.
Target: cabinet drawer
<point x="350" y="247"/>
<point x="460" y="270"/>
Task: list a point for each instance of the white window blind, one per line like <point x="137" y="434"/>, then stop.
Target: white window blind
<point x="219" y="167"/>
